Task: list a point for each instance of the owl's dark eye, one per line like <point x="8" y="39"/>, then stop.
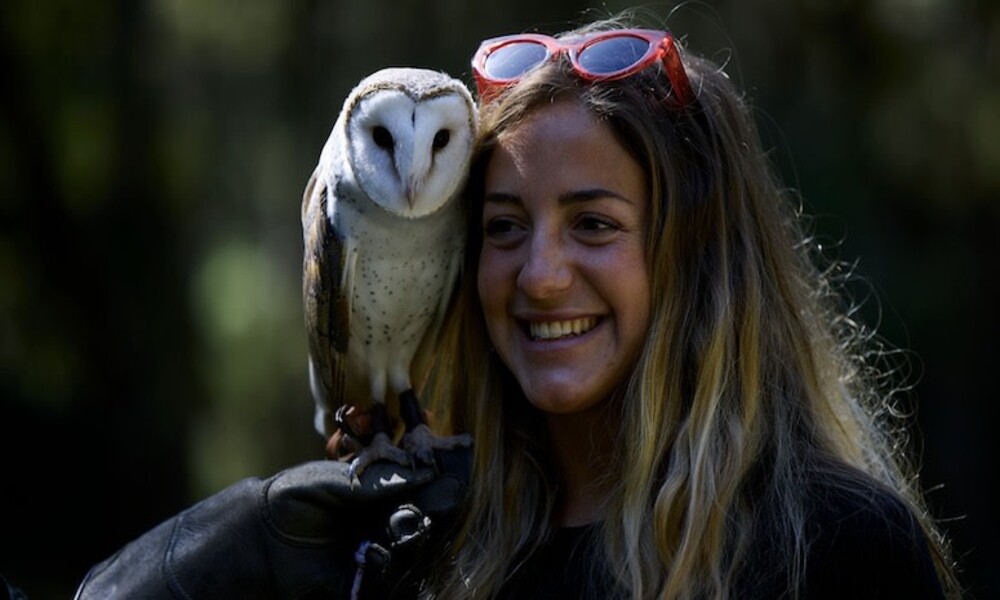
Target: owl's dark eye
<point x="441" y="139"/>
<point x="382" y="137"/>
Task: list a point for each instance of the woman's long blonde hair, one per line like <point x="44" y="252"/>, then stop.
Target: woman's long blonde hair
<point x="754" y="378"/>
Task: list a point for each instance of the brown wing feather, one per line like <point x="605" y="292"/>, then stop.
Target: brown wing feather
<point x="326" y="302"/>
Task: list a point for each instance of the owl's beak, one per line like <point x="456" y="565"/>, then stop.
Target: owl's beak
<point x="411" y="193"/>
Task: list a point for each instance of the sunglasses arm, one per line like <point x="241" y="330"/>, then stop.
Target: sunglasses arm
<point x="675" y="72"/>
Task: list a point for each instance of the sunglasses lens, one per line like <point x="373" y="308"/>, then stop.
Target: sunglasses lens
<point x="514" y="60"/>
<point x="611" y="55"/>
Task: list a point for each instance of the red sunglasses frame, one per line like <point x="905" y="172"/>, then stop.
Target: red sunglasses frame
<point x="661" y="47"/>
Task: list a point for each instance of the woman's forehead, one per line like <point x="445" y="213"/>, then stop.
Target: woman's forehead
<point x="559" y="150"/>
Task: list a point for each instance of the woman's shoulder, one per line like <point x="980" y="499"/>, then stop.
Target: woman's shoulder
<point x="845" y="498"/>
<point x="863" y="540"/>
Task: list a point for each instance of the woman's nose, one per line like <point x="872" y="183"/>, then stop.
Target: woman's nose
<point x="546" y="271"/>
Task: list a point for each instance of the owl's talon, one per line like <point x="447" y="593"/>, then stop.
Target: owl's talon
<point x="421" y="442"/>
<point x="380" y="448"/>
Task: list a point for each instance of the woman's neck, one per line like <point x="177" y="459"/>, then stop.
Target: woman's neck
<point x="582" y="454"/>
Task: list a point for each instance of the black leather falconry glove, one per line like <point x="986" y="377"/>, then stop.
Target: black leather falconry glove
<point x="307" y="532"/>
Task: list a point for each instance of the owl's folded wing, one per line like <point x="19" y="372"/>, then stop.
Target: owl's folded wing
<point x="327" y="280"/>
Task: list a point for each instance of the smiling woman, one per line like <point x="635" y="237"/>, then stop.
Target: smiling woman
<point x="664" y="391"/>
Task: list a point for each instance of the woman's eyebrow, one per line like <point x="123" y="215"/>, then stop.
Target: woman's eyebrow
<point x="590" y="194"/>
<point x="502" y="198"/>
<point x="572" y="197"/>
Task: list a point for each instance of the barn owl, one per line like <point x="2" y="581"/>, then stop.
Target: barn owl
<point x="384" y="233"/>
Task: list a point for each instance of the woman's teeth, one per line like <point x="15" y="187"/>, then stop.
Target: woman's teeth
<point x="552" y="330"/>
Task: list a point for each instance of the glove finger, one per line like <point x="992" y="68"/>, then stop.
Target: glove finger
<point x="447" y="492"/>
<point x="441" y="496"/>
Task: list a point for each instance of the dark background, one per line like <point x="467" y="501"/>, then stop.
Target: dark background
<point x="152" y="160"/>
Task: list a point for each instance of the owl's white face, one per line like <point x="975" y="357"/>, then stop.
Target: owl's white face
<point x="410" y="156"/>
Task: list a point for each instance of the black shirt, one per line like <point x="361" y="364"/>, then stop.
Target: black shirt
<point x="860" y="546"/>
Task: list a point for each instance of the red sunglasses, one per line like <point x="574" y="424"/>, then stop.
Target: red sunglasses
<point x="600" y="56"/>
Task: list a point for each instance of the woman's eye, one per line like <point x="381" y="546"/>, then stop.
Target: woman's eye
<point x="596" y="224"/>
<point x="500" y="226"/>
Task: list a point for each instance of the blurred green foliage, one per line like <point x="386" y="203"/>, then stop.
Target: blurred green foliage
<point x="152" y="160"/>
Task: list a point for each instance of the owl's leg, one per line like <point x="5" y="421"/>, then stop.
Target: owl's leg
<point x="380" y="447"/>
<point x="419" y="440"/>
<point x="409" y="409"/>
